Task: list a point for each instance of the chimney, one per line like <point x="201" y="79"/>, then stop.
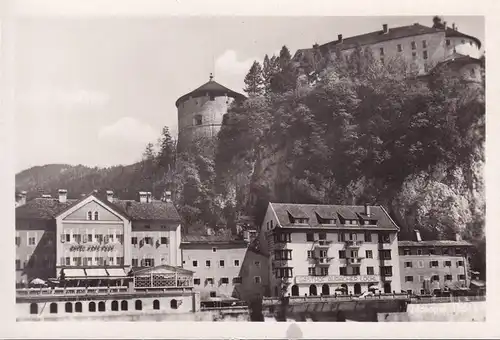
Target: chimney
<point x="340" y="38"/>
<point x="168" y="196"/>
<point x="458" y="238"/>
<point x="367" y="210"/>
<point x="417" y="234"/>
<point x="143" y="196"/>
<point x="386" y="29"/>
<point x="445" y="25"/>
<point x="63" y="195"/>
<point x="22" y="198"/>
<point x="453" y="27"/>
<point x="109" y="196"/>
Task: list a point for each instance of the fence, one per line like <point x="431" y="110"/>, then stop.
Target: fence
<point x="339" y="298"/>
<point x="444" y="299"/>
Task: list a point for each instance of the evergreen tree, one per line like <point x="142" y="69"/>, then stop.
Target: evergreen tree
<point x="149" y="153"/>
<point x="270" y="68"/>
<point x="167" y="150"/>
<point x="285" y="79"/>
<point x="254" y="81"/>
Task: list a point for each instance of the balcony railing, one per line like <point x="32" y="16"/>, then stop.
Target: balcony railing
<point x="71" y="291"/>
<point x="354" y="261"/>
<point x="322" y="260"/>
<point x="354" y="243"/>
<point x="322" y="243"/>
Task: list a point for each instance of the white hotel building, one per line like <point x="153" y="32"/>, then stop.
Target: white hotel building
<point x="327" y="249"/>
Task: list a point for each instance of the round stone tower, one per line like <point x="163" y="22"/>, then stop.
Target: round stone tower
<point x="200" y="112"/>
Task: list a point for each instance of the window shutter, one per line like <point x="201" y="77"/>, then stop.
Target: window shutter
<point x="63" y="238"/>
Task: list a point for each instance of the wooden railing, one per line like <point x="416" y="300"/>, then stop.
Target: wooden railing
<point x="333" y="298"/>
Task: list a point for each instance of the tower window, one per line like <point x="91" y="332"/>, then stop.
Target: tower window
<point x="198" y="120"/>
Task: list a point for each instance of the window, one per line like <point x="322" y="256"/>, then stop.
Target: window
<point x="448" y="277"/>
<point x="462" y="41"/>
<point x="237" y="279"/>
<point x="435" y="278"/>
<point x="285" y="254"/>
<point x="124" y="305"/>
<point x="406" y="252"/>
<point x="119" y="261"/>
<point x="458" y="251"/>
<point x="96" y="216"/>
<point x="163" y="226"/>
<point x="213" y="294"/>
<point x="369" y="271"/>
<point x="310" y="254"/>
<point x="282" y="238"/>
<point x="322" y="236"/>
<point x="356" y="271"/>
<point x="111" y="238"/>
<point x="408" y="278"/>
<point x="419" y="251"/>
<point x="134" y="240"/>
<point x="147" y="226"/>
<point x="18" y="241"/>
<point x="89" y="215"/>
<point x="78" y="307"/>
<point x="221" y="263"/>
<point x="149" y="262"/>
<point x="414" y="55"/>
<point x="447" y="263"/>
<point x="89" y="237"/>
<point x="68" y="307"/>
<point x="138" y="305"/>
<point x="421" y="278"/>
<point x="385" y="254"/>
<point x="135" y="263"/>
<point x="224" y="280"/>
<point x="434" y="264"/>
<point x="33" y="308"/>
<point x="381" y="51"/>
<point x="284" y="272"/>
<point x="92" y="306"/>
<point x="67" y="261"/>
<point x="424" y="54"/>
<point x="460" y="263"/>
<point x="368" y="236"/>
<point x="197" y="281"/>
<point x="256" y="279"/>
<point x="163" y="240"/>
<point x="257" y="263"/>
<point x="341" y="254"/>
<point x="461" y="277"/>
<point x="448" y="42"/>
<point x="67" y="237"/>
<point x="343" y="271"/>
<point x="408" y="264"/>
<point x="209" y="280"/>
<point x="156" y="304"/>
<point x="400" y="48"/>
<point x="31" y="240"/>
<point x="101" y="306"/>
<point x="422" y="291"/>
<point x="148" y="240"/>
<point x="236" y="263"/>
<point x="323" y="271"/>
<point x="207" y="263"/>
<point x="198" y="120"/>
<point x="413" y="45"/>
<point x="173" y="304"/>
<point x="214" y="250"/>
<point x="18" y="264"/>
<point x="310" y="237"/>
<point x="77" y="261"/>
<point x="195" y="263"/>
<point x="271" y="223"/>
<point x="445" y="251"/>
<point x="424" y="44"/>
<point x="111" y="261"/>
<point x="311" y="271"/>
<point x="386" y="271"/>
<point x="53" y="308"/>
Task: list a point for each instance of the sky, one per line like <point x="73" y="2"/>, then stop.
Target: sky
<point x="95" y="91"/>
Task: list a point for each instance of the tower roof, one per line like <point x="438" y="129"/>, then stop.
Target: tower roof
<point x="211" y="87"/>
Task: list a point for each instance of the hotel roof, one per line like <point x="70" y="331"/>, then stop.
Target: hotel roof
<point x="212" y="239"/>
<point x="433" y="243"/>
<point x="50" y="208"/>
<point x="352" y="212"/>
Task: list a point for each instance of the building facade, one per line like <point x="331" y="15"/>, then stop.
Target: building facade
<point x="200" y="111"/>
<point x="223" y="266"/>
<point x="420" y="46"/>
<point x="328" y="249"/>
<point x="430" y="266"/>
<point x="94" y="236"/>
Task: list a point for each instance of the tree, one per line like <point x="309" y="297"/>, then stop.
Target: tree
<point x="270" y="68"/>
<point x="167" y="150"/>
<point x="149" y="153"/>
<point x="254" y="82"/>
<point x="285" y="79"/>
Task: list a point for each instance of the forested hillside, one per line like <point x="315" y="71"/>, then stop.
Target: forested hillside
<point x="323" y="130"/>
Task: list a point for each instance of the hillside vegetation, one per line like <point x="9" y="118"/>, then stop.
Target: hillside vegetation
<point x="323" y="130"/>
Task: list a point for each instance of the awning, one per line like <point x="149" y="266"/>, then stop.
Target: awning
<point x="97" y="272"/>
<point x="74" y="273"/>
<point x="478" y="283"/>
<point x="117" y="272"/>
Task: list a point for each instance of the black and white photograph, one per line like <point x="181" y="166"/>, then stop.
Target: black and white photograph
<point x="249" y="168"/>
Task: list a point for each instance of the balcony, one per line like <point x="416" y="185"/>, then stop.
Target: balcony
<point x="322" y="261"/>
<point x="386" y="278"/>
<point x="353" y="243"/>
<point x="280" y="263"/>
<point x="322" y="243"/>
<point x="354" y="261"/>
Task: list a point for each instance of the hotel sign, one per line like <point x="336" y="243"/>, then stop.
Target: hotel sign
<point x="335" y="279"/>
<point x="92" y="248"/>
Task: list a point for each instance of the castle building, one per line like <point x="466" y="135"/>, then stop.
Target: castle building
<point x="200" y="111"/>
<point x="432" y="266"/>
<point x="329" y="249"/>
<point x="94" y="236"/>
<point x="420" y="46"/>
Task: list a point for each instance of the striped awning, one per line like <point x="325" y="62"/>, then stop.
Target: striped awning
<point x="96" y="272"/>
<point x="75" y="273"/>
<point x="116" y="272"/>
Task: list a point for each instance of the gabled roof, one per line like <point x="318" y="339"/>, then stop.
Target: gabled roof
<point x="433" y="243"/>
<point x="357" y="212"/>
<point x="212" y="87"/>
<point x="50" y="208"/>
